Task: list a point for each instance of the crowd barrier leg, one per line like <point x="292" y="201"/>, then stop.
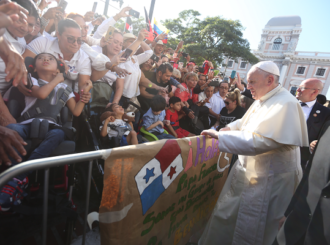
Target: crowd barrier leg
<point x="89" y="177"/>
<point x="45" y="207"/>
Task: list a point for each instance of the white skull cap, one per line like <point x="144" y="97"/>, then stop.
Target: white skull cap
<point x="268" y="66"/>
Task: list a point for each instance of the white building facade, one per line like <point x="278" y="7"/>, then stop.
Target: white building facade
<point x="278" y="43"/>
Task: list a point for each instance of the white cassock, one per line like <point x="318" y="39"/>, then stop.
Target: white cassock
<point x="264" y="178"/>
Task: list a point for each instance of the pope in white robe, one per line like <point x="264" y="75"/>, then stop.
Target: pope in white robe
<point x="264" y="178"/>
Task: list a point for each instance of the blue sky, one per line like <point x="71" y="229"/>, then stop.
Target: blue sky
<point x="253" y="14"/>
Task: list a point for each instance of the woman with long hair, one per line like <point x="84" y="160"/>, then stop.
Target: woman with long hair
<point x="232" y="111"/>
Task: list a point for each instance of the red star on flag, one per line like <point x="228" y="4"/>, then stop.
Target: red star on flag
<point x="172" y="171"/>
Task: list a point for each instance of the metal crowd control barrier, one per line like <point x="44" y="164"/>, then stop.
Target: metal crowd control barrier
<point x="47" y="163"/>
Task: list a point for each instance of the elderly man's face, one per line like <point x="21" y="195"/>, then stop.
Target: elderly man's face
<point x="309" y="89"/>
<point x="258" y="83"/>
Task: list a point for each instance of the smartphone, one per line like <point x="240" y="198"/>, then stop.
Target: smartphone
<point x="201" y="69"/>
<point x="134" y="13"/>
<point x="180" y="65"/>
<point x="63" y="4"/>
<point x="184" y="55"/>
<point x="94" y="7"/>
<point x="109" y="33"/>
<point x="175" y="66"/>
<point x="154" y="58"/>
<point x="233" y="74"/>
<point x="127" y="53"/>
<point x="29" y="81"/>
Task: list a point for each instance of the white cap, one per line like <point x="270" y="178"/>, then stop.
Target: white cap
<point x="268" y="66"/>
<point x="160" y="42"/>
<point x="128" y="36"/>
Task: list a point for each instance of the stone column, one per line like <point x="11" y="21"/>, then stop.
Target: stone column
<point x="283" y="70"/>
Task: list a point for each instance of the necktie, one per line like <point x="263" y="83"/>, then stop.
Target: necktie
<point x="303" y="103"/>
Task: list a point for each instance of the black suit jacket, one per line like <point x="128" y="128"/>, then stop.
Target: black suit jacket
<point x="302" y="226"/>
<point x="314" y="126"/>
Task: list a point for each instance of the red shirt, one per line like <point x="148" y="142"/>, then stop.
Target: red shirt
<point x="184" y="96"/>
<point x="173" y="117"/>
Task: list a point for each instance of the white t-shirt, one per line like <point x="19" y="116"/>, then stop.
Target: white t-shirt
<point x="19" y="44"/>
<point x="79" y="64"/>
<point x="131" y="84"/>
<point x="216" y="103"/>
<point x="30" y="101"/>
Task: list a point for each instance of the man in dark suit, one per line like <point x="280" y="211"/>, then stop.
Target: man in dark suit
<point x="315" y="113"/>
<point x="307" y="221"/>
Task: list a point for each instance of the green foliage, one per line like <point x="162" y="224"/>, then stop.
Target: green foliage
<point x="138" y="24"/>
<point x="211" y="38"/>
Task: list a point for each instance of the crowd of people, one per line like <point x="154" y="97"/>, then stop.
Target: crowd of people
<point x="54" y="58"/>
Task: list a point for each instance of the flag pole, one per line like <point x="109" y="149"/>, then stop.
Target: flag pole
<point x="151" y="11"/>
<point x="125" y="25"/>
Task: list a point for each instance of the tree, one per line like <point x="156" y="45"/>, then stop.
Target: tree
<point x="210" y="39"/>
<point x="138" y="24"/>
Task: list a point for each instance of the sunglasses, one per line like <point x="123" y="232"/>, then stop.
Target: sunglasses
<point x="72" y="40"/>
<point x="227" y="103"/>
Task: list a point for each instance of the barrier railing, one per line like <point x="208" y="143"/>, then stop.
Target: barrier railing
<point x="50" y="162"/>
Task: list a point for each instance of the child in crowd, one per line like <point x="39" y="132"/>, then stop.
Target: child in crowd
<point x="48" y="96"/>
<point x="154" y="119"/>
<point x="115" y="126"/>
<point x="173" y="116"/>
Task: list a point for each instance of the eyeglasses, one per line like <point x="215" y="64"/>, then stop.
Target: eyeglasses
<point x="72" y="40"/>
<point x="224" y="88"/>
<point x="227" y="103"/>
<point x="304" y="88"/>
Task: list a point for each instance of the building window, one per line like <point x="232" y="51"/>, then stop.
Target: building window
<point x="301" y="70"/>
<point x="293" y="90"/>
<point x="230" y="63"/>
<point x="277" y="44"/>
<point x="320" y="72"/>
<point x="243" y="65"/>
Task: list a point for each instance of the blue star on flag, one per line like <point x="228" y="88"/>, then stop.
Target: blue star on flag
<point x="149" y="174"/>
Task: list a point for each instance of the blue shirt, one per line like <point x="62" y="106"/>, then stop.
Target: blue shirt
<point x="149" y="118"/>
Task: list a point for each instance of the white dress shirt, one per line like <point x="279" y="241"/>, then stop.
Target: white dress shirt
<point x="308" y="108"/>
<point x="216" y="103"/>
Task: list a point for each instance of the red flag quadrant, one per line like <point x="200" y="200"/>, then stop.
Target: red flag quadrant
<point x="128" y="25"/>
<point x="164" y="191"/>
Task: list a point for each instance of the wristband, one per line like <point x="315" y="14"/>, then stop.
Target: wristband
<point x="150" y="85"/>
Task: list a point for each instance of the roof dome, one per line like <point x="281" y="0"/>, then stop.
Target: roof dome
<point x="293" y="20"/>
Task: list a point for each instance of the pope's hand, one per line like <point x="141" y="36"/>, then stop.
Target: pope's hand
<point x="211" y="133"/>
<point x="225" y="129"/>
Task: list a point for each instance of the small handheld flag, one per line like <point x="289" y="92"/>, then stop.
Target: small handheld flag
<point x="129" y="25"/>
<point x="149" y="28"/>
<point x="159" y="29"/>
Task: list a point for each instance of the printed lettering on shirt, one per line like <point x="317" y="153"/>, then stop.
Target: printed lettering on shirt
<point x="226" y="120"/>
<point x="72" y="69"/>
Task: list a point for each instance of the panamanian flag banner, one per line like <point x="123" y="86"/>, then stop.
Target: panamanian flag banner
<point x="157" y="175"/>
<point x="161" y="192"/>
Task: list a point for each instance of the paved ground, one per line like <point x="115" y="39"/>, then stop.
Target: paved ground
<point x="92" y="238"/>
